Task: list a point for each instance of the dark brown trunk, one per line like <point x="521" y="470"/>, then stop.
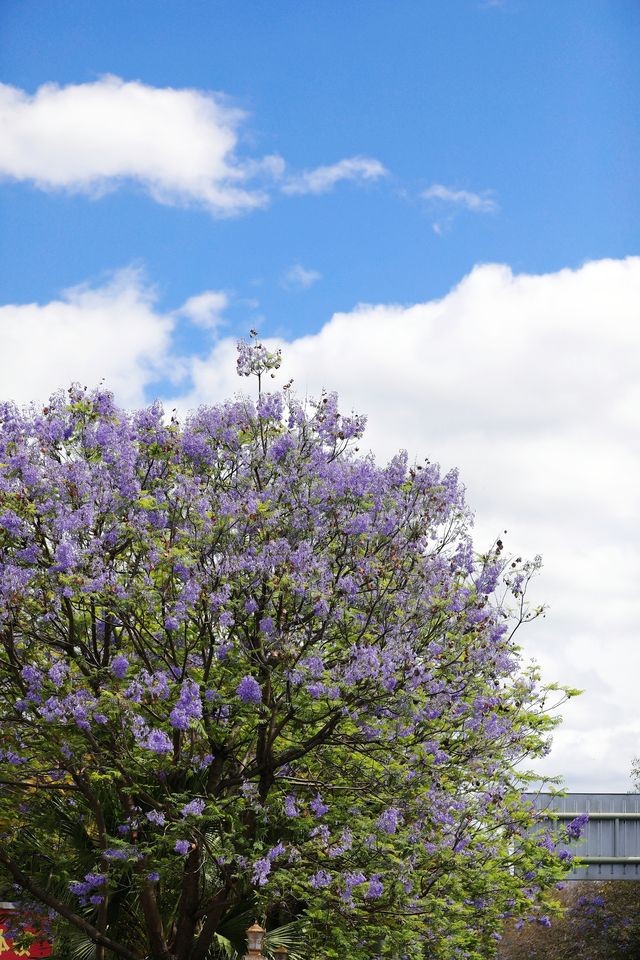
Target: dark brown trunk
<point x="211" y="923"/>
<point x="153" y="923"/>
<point x="189" y="902"/>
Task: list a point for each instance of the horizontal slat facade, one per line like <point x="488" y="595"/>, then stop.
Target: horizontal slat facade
<point x="610" y="843"/>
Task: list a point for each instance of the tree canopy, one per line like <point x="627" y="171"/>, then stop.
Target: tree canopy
<point x="245" y="670"/>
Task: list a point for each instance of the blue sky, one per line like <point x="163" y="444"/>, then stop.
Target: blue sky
<point x="532" y="101"/>
<point x="432" y="206"/>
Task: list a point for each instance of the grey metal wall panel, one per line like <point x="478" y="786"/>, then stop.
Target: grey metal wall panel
<point x="610" y="844"/>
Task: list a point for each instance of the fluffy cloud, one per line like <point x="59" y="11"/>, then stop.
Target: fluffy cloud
<point x="205" y="309"/>
<point x="527" y="383"/>
<point x="111" y="332"/>
<point x="324" y="179"/>
<point x="178" y="145"/>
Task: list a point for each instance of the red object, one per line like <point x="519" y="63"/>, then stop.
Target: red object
<point x="7" y="951"/>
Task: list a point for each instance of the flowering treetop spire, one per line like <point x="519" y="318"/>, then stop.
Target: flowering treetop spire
<point x="255" y="360"/>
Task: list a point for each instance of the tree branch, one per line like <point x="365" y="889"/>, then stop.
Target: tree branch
<point x="64" y="911"/>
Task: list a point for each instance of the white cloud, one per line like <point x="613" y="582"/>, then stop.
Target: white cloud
<point x="528" y="383"/>
<point x="298" y="277"/>
<point x="180" y="146"/>
<point x="324" y="179"/>
<point x="205" y="309"/>
<point x="111" y="332"/>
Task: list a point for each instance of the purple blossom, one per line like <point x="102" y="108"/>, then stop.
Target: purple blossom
<point x="121" y="853"/>
<point x="96" y="879"/>
<point x="320" y="879"/>
<point x="486" y="582"/>
<point x="153" y="877"/>
<point x="11" y="522"/>
<point x="255" y="360"/>
<point x="188" y="708"/>
<point x="388" y="820"/>
<point x="119" y="666"/>
<point x="577" y="825"/>
<point x="12" y="757"/>
<point x="375" y="888"/>
<point x="158" y="742"/>
<point x="79" y="888"/>
<point x="282" y="445"/>
<point x="248" y="690"/>
<point x="32" y="676"/>
<point x="58" y="672"/>
<point x="291" y="807"/>
<point x="345" y="843"/>
<point x="182" y="847"/>
<point x="66" y="556"/>
<point x="157" y="817"/>
<point x="194" y="808"/>
<point x="318" y="806"/>
<point x="261" y="871"/>
<point x="276" y="851"/>
<point x="352" y="879"/>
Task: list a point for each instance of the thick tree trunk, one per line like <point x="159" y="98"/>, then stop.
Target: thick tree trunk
<point x="210" y="925"/>
<point x="189" y="898"/>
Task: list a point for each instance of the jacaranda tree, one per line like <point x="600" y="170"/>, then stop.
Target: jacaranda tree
<point x="244" y="668"/>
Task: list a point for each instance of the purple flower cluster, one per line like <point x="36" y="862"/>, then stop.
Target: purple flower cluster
<point x="255" y="360"/>
<point x="577" y="825"/>
<point x="318" y="806"/>
<point x="119" y="666"/>
<point x="375" y="888"/>
<point x="121" y="853"/>
<point x="157" y="817"/>
<point x="262" y="867"/>
<point x="248" y="690"/>
<point x="261" y="871"/>
<point x="84" y="889"/>
<point x="194" y="808"/>
<point x="188" y="708"/>
<point x="320" y="879"/>
<point x="389" y="820"/>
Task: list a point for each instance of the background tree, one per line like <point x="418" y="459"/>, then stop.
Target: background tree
<point x="635" y="773"/>
<point x="601" y="922"/>
<point x="243" y="667"/>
